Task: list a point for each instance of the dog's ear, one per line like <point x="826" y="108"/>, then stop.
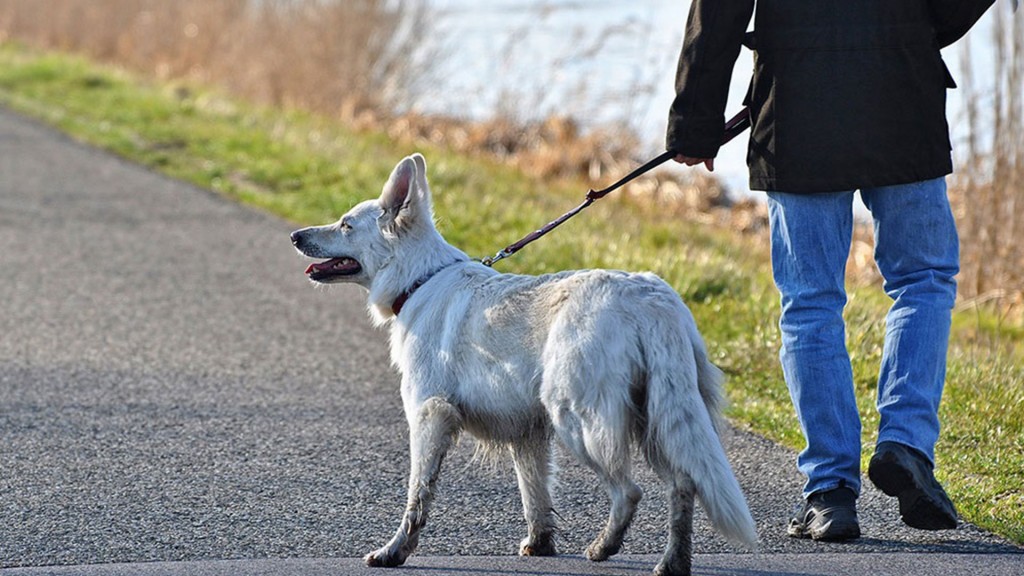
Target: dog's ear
<point x="421" y="175"/>
<point x="405" y="196"/>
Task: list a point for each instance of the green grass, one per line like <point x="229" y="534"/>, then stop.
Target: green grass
<point x="310" y="170"/>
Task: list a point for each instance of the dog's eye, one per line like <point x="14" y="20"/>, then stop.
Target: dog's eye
<point x="345" y="226"/>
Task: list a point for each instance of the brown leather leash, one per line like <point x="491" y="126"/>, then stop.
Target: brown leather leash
<point x="733" y="128"/>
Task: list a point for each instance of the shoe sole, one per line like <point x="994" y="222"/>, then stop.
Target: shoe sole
<point x="826" y="533"/>
<point x="918" y="508"/>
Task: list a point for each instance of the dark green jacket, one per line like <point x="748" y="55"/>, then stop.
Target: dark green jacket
<point x="845" y="94"/>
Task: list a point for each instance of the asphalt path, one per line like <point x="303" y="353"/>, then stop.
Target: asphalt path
<point x="176" y="398"/>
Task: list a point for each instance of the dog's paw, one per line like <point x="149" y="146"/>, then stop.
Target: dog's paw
<point x="540" y="546"/>
<point x="672" y="569"/>
<point x="383" y="558"/>
<point x="596" y="553"/>
<point x="600" y="550"/>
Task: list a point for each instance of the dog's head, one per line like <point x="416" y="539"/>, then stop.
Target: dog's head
<point x="367" y="239"/>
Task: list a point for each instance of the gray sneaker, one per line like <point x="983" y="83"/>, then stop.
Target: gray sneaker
<point x="830" y="515"/>
<point x="903" y="472"/>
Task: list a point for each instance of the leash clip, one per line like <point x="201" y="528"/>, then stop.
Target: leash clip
<point x="501" y="255"/>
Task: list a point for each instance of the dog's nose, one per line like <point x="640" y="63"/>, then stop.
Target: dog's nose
<point x="297" y="238"/>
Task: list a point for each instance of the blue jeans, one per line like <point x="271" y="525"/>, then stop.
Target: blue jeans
<point x="917" y="251"/>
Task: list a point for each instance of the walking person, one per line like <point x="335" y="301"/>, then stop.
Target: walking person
<point x="845" y="96"/>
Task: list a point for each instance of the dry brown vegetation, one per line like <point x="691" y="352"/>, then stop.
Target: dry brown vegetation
<point x="330" y="57"/>
<point x="988" y="190"/>
<point x="358" y="60"/>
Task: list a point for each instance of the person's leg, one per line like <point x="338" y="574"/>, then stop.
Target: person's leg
<point x="810" y="243"/>
<point x="917" y="251"/>
<point x="918" y="254"/>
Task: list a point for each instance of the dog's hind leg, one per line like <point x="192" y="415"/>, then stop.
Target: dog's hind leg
<point x="431" y="434"/>
<point x="625" y="495"/>
<point x="532" y="459"/>
<point x="679" y="551"/>
<point x="589" y="363"/>
<point x="604" y="446"/>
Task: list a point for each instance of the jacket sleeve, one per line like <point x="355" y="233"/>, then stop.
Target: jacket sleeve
<point x="953" y="18"/>
<point x="714" y="33"/>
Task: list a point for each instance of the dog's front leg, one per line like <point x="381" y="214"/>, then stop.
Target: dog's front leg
<point x="431" y="434"/>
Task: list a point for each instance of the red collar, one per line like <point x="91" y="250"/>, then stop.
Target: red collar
<point x="396" y="306"/>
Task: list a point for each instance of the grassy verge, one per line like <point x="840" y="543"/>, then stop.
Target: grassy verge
<point x="310" y="170"/>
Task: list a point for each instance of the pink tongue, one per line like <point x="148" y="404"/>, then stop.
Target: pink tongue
<point x="321" y="266"/>
<point x="334" y="264"/>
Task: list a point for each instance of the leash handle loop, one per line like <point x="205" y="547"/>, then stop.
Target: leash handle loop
<point x="736" y="125"/>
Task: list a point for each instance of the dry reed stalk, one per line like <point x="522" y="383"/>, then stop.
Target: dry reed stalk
<point x="988" y="189"/>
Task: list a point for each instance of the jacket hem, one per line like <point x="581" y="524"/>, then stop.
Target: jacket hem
<point x="814" y="186"/>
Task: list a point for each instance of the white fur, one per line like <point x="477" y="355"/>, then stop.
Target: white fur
<point x="601" y="359"/>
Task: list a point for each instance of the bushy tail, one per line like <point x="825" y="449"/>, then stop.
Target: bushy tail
<point x="683" y="421"/>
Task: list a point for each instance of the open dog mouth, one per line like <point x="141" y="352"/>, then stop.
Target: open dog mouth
<point x="333" y="268"/>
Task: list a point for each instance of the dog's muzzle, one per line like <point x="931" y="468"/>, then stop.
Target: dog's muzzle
<point x="329" y="270"/>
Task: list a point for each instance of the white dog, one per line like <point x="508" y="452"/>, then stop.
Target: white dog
<point x="600" y="359"/>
